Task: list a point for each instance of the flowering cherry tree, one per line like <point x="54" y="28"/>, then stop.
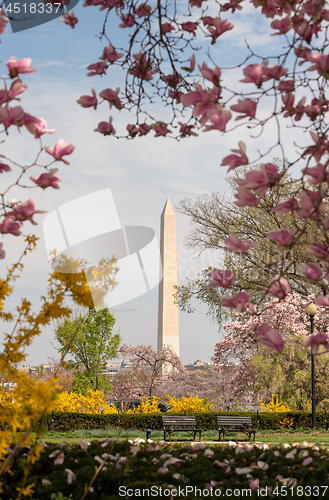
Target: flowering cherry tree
<point x="248" y="334"/>
<point x="151" y="368"/>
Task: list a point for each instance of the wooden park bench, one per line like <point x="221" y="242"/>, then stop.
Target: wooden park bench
<point x="180" y="424"/>
<point x="231" y="423"/>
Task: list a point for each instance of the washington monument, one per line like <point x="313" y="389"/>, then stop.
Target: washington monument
<point x="168" y="328"/>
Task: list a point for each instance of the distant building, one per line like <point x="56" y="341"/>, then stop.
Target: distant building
<point x="113" y="368"/>
<point x="198" y="366"/>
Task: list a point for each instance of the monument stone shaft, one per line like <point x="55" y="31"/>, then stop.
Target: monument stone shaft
<point x="168" y="327"/>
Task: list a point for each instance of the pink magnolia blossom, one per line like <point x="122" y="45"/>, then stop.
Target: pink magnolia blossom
<point x="190" y="27"/>
<point x="236" y="160"/>
<point x="203" y="101"/>
<point x="270" y="337"/>
<point x="221" y="278"/>
<point x="305" y="29"/>
<point x="308" y="200"/>
<point x="279" y="287"/>
<point x="70" y="476"/>
<point x="10" y="226"/>
<point x="2" y="252"/>
<point x="59" y="459"/>
<point x="311" y="271"/>
<point x="186" y="130"/>
<point x="313" y="110"/>
<point x="175" y="95"/>
<point x="321" y="146"/>
<point x="275" y="72"/>
<point x="245" y="106"/>
<point x="4" y="168"/>
<point x="245" y="198"/>
<point x="143" y="10"/>
<point x="4" y="95"/>
<point x="28" y="120"/>
<point x="235" y="245"/>
<point x="171" y="80"/>
<point x="299" y="109"/>
<point x="318" y="173"/>
<point x="239" y="302"/>
<point x="112" y="97"/>
<point x="218" y="116"/>
<point x="218" y="27"/>
<point x="128" y="21"/>
<point x="286" y="86"/>
<point x="110" y="54"/>
<point x="282" y="25"/>
<point x="288" y="100"/>
<point x="16" y="88"/>
<point x="87" y="101"/>
<point x="23" y="66"/>
<point x="269" y="9"/>
<point x="260" y="180"/>
<point x="107" y="4"/>
<point x="302" y="52"/>
<point x="132" y="130"/>
<point x="233" y="5"/>
<point x="142" y="67"/>
<point x="316" y="340"/>
<point x="325" y="222"/>
<point x="206" y="20"/>
<point x="287" y="206"/>
<point x="98" y="68"/>
<point x="3" y="21"/>
<point x="254" y="485"/>
<point x="196" y="3"/>
<point x="69" y="19"/>
<point x="320" y="250"/>
<point x="48" y="179"/>
<point x="322" y="301"/>
<point x="192" y="62"/>
<point x="167" y="28"/>
<point x="11" y="116"/>
<point x="213" y="75"/>
<point x="25" y="211"/>
<point x="39" y="128"/>
<point x="62" y="148"/>
<point x="253" y="74"/>
<point x="161" y="129"/>
<point x="282" y="237"/>
<point x="105" y="128"/>
<point x="144" y="129"/>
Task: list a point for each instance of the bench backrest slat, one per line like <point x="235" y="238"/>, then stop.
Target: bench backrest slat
<point x="233" y="420"/>
<point x="184" y="420"/>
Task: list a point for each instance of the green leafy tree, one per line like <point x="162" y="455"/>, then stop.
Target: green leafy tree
<point x="89" y="339"/>
<point x="215" y="216"/>
<point x="288" y="374"/>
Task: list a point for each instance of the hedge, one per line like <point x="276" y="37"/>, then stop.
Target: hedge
<point x="65" y="421"/>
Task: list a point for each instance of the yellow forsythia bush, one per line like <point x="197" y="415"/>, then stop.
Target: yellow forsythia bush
<point x="147" y="406"/>
<point x="287" y="422"/>
<point x="93" y="402"/>
<point x="274" y="405"/>
<point x="189" y="404"/>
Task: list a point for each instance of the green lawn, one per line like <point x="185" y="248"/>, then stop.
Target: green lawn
<point x="320" y="438"/>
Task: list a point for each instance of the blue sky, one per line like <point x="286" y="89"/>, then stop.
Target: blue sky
<point x="141" y="174"/>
